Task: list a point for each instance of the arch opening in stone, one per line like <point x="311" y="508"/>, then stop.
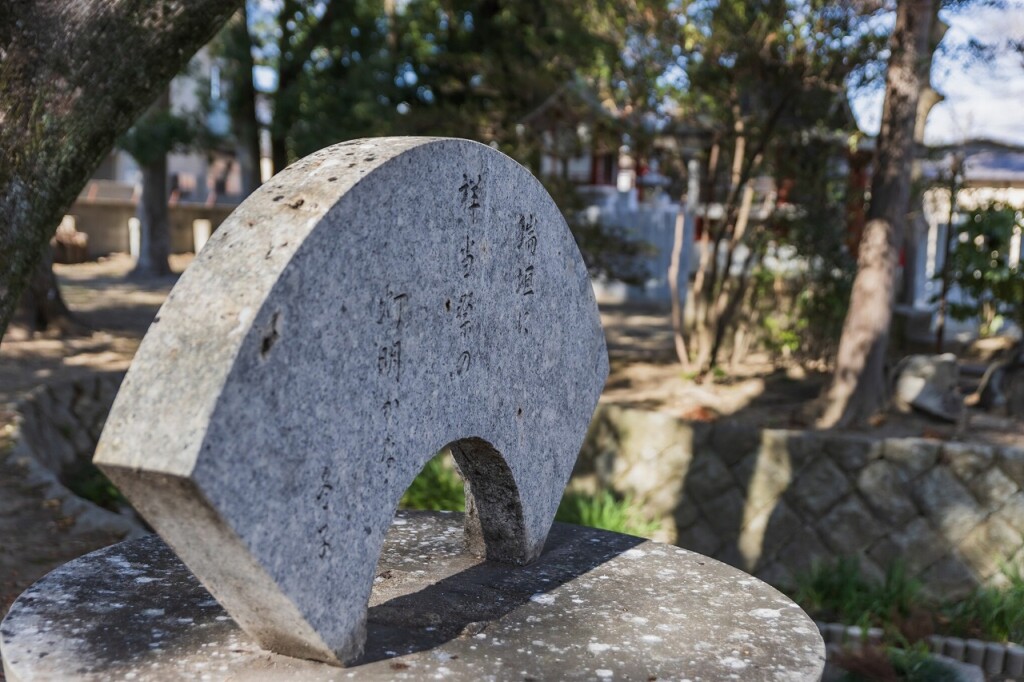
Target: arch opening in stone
<point x="495" y="528"/>
<point x="470" y="475"/>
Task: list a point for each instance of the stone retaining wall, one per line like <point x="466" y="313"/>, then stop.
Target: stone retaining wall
<point x="58" y="427"/>
<point x="61" y="422"/>
<point x="774" y="501"/>
<point x="770" y="502"/>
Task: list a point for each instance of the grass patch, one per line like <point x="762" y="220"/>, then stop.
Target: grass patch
<point x="604" y="511"/>
<point x="436" y="488"/>
<point x="839" y="592"/>
<point x="990" y="613"/>
<point x="88" y="482"/>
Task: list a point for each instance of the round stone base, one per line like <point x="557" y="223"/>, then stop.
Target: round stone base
<point x="596" y="605"/>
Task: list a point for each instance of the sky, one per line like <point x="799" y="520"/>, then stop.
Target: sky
<point x="983" y="100"/>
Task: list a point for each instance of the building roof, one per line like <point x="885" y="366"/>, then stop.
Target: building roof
<point x="1003" y="166"/>
<point x="985" y="163"/>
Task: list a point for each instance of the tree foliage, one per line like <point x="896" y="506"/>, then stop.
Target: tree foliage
<point x="233" y="49"/>
<point x="332" y="73"/>
<point x="158" y="133"/>
<point x="462" y="68"/>
<point x="471" y="68"/>
<point x="982" y="265"/>
<point x="768" y="81"/>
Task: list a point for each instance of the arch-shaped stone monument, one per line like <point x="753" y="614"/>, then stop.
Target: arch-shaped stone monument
<point x="370" y="304"/>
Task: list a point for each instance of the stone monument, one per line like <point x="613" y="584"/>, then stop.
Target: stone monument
<point x="370" y="305"/>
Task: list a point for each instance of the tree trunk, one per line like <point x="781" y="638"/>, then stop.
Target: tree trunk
<point x="278" y="151"/>
<point x="717" y="296"/>
<point x="955" y="168"/>
<point x="42" y="307"/>
<point x="858" y="388"/>
<point x="281" y="123"/>
<point x="674" y="268"/>
<point x="76" y="74"/>
<point x="704" y="278"/>
<point x="926" y="102"/>
<point x="679" y="262"/>
<point x="154" y="225"/>
<point x="245" y="123"/>
<point x="729" y="298"/>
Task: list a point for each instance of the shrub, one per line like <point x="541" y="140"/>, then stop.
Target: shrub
<point x="982" y="265"/>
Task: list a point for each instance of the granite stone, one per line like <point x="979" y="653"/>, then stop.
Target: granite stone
<point x="700" y="537"/>
<point x="917" y="546"/>
<point x="1013" y="511"/>
<point x="822" y="484"/>
<point x="938" y="490"/>
<point x="768" y="473"/>
<point x="885" y="487"/>
<point x="371" y="304"/>
<point x="783" y="524"/>
<point x="983" y="544"/>
<point x="967" y="460"/>
<point x="849" y="527"/>
<point x="685" y="513"/>
<point x="724" y="514"/>
<point x="804" y="553"/>
<point x="732" y="441"/>
<point x="948" y="578"/>
<point x="916" y="455"/>
<point x="947" y="503"/>
<point x="596" y="605"/>
<point x="764" y="533"/>
<point x="1011" y="459"/>
<point x="853" y="452"/>
<point x="928" y="383"/>
<point x="802" y="448"/>
<point x="992" y="488"/>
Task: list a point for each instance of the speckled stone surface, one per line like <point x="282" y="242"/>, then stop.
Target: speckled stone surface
<point x="372" y="303"/>
<point x="595" y="605"/>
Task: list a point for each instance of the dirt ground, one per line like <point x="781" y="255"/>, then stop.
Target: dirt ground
<point x="118" y="308"/>
<point x="34" y="538"/>
<point x="646" y="374"/>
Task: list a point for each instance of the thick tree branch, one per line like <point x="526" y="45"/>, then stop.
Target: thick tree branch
<point x="75" y="74"/>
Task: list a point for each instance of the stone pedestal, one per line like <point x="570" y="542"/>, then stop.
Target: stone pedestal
<point x="595" y="605"/>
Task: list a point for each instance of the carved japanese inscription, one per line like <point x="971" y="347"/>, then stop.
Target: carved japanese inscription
<point x="371" y="304"/>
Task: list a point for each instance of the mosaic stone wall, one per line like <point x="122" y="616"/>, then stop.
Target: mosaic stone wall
<point x="774" y="501"/>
